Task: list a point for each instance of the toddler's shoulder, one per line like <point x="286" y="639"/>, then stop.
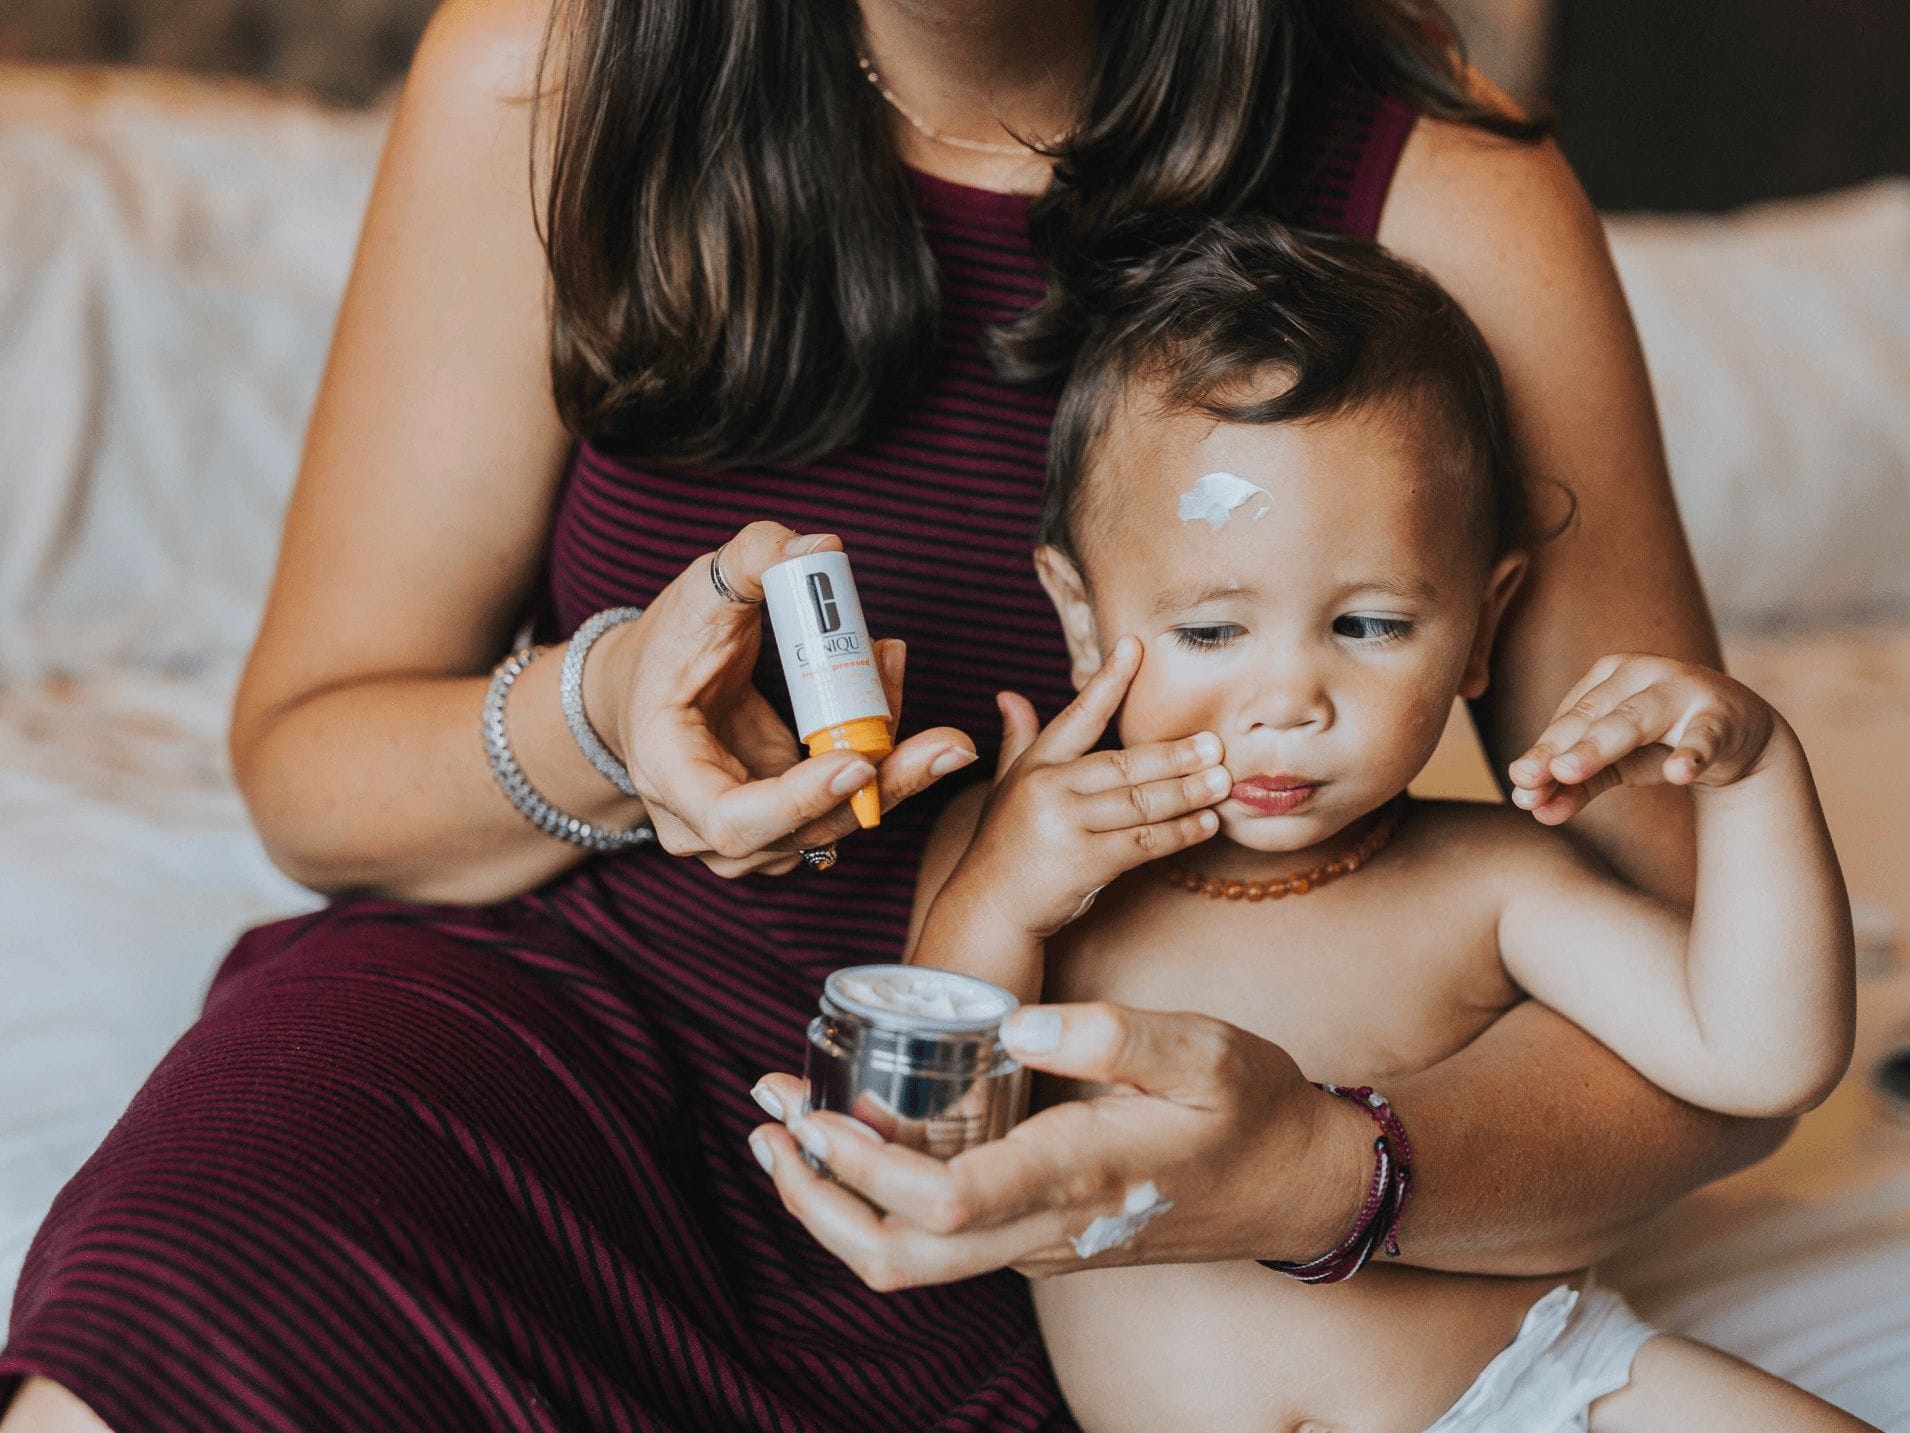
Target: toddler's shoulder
<point x="1495" y="839"/>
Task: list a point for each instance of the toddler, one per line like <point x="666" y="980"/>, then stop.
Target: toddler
<point x="1282" y="526"/>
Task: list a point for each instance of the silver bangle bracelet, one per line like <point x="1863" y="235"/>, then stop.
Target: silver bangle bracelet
<point x="571" y="692"/>
<point x="517" y="788"/>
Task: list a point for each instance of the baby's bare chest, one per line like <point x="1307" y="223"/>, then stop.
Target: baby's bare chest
<point x="1355" y="983"/>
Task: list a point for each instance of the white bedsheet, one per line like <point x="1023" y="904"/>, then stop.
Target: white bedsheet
<point x="126" y="869"/>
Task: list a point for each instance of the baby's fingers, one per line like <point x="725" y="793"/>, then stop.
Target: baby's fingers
<point x="1149" y="803"/>
<point x="1151" y="761"/>
<point x="1637" y="720"/>
<point x="1137" y="845"/>
<point x="1082" y="721"/>
<point x="1697" y="749"/>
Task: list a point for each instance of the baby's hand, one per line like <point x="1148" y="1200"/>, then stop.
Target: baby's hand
<point x="1064" y="819"/>
<point x="1640" y="721"/>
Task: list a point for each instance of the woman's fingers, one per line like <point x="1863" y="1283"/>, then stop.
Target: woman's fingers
<point x="747" y="556"/>
<point x="1176" y="1056"/>
<point x="1082" y="721"/>
<point x="909" y="770"/>
<point x="886" y="1252"/>
<point x="1020" y="726"/>
<point x="891" y="665"/>
<point x="738" y="818"/>
<point x="781" y="1096"/>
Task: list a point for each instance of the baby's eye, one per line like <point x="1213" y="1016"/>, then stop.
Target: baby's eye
<point x="1205" y="638"/>
<point x="1362" y="628"/>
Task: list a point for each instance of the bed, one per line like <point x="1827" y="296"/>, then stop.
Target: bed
<point x="170" y="255"/>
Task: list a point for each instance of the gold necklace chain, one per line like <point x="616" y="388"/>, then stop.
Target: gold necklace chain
<point x="953" y="141"/>
<point x="1301" y="882"/>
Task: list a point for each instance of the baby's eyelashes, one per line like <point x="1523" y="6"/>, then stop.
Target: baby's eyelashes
<point x="1364" y="628"/>
<point x="1205" y="638"/>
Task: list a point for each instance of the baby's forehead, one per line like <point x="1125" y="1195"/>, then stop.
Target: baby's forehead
<point x="1365" y="477"/>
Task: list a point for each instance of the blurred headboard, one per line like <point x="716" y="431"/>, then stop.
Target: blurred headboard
<point x="344" y="51"/>
<point x="1711" y="104"/>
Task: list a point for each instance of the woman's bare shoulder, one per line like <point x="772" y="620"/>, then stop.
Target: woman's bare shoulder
<point x="1467" y="204"/>
<point x="479" y="54"/>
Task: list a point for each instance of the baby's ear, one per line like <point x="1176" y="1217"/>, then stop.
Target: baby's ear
<point x="1507" y="573"/>
<point x="1062" y="580"/>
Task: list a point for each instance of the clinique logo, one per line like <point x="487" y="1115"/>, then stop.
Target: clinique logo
<point x="822" y="596"/>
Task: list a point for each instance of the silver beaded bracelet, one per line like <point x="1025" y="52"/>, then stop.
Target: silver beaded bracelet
<point x="515" y="786"/>
<point x="571" y="693"/>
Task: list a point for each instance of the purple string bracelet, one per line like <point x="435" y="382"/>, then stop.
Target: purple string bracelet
<point x="1377" y="1224"/>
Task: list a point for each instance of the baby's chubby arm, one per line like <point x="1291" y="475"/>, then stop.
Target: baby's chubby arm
<point x="1746" y="1005"/>
<point x="1061" y="821"/>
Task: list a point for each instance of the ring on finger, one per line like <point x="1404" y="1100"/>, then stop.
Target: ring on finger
<point x="721" y="584"/>
<point x="818" y="858"/>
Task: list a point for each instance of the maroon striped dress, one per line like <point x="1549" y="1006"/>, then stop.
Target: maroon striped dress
<point x="425" y="1167"/>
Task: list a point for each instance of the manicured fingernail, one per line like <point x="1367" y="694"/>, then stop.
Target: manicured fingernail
<point x="1209" y="822"/>
<point x="1524" y="796"/>
<point x="812" y="1139"/>
<point x="766" y="1097"/>
<point x="1035" y="1031"/>
<point x="1217" y="781"/>
<point x="765" y="1156"/>
<point x="803" y="546"/>
<point x="852" y="779"/>
<point x="951" y="760"/>
<point x="1207" y="747"/>
<point x="861" y="1131"/>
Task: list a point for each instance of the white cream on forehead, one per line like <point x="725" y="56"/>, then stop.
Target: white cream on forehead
<point x="927" y="993"/>
<point x="1213" y="499"/>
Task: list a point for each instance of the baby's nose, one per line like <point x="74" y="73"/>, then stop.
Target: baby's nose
<point x="1291" y="696"/>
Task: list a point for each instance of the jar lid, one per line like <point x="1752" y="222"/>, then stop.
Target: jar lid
<point x="917" y="998"/>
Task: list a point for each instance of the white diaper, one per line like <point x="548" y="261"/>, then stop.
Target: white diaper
<point x="1572" y="1348"/>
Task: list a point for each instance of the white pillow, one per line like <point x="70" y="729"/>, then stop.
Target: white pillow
<point x="1779" y="345"/>
<point x="171" y="254"/>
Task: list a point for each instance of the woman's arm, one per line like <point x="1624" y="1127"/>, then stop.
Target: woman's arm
<point x="419" y="525"/>
<point x="419" y="518"/>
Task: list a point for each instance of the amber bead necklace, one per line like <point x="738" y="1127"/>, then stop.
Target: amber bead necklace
<point x="1313" y="878"/>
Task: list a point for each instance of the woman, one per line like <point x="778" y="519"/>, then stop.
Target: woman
<point x="467" y="1148"/>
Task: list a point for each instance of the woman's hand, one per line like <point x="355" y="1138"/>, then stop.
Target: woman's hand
<point x="721" y="776"/>
<point x="1064" y="819"/>
<point x="1220" y="1121"/>
<point x="1641" y="721"/>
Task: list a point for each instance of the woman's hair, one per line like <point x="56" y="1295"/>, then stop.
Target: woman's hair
<point x="739" y="276"/>
<point x="1245" y="321"/>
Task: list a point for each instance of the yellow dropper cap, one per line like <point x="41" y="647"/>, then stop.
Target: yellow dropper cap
<point x="869" y="736"/>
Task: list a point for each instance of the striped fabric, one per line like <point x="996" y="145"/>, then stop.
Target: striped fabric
<point x="442" y="1168"/>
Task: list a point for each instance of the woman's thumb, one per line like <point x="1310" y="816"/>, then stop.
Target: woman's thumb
<point x="1019" y="728"/>
<point x="1156" y="1052"/>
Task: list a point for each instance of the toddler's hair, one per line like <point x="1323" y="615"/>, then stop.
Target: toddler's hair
<point x="1249" y="321"/>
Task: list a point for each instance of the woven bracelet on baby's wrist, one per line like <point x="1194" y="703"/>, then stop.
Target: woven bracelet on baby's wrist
<point x="1377" y="1224"/>
<point x="517" y="787"/>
